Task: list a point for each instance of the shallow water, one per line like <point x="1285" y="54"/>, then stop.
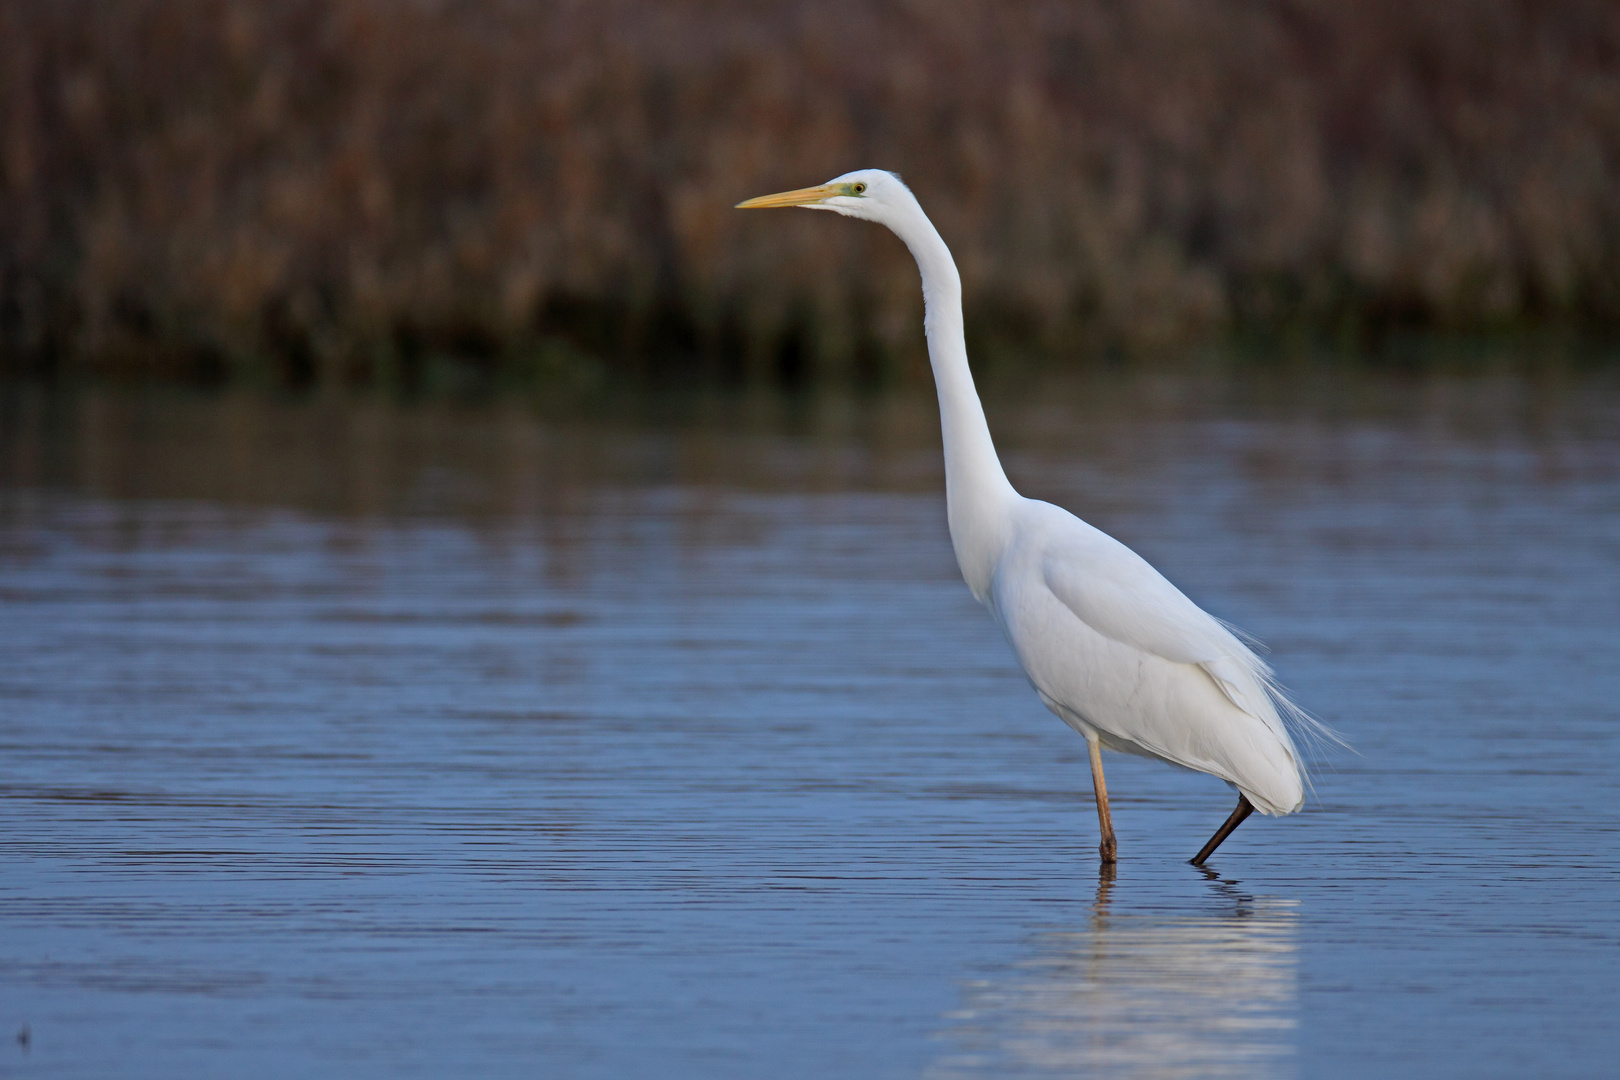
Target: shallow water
<point x="343" y="739"/>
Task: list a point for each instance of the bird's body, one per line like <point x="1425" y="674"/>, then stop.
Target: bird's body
<point x="1111" y="646"/>
<point x="1120" y="653"/>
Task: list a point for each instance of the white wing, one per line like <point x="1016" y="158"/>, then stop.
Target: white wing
<point x="1109" y="642"/>
<point x="1120" y="595"/>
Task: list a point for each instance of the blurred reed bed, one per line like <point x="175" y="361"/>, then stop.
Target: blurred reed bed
<point x="342" y="191"/>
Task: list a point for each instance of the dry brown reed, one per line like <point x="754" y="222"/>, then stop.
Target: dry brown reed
<point x="340" y="190"/>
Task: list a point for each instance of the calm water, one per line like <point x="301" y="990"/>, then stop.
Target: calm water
<point x="346" y="740"/>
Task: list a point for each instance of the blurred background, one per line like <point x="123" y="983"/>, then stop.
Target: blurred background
<point x="374" y="191"/>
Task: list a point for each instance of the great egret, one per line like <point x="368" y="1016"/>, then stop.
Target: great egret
<point x="1111" y="647"/>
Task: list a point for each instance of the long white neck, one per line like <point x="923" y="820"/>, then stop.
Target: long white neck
<point x="978" y="496"/>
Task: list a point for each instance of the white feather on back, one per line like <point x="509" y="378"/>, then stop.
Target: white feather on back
<point x="1120" y="596"/>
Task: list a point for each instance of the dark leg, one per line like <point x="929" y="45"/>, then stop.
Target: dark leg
<point x="1244" y="809"/>
<point x="1105" y="821"/>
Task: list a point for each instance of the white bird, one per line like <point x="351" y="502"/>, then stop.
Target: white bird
<point x="1111" y="647"/>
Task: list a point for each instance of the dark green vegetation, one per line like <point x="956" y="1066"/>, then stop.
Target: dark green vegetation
<point x="387" y="191"/>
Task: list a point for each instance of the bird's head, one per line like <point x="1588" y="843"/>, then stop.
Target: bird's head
<point x="871" y="194"/>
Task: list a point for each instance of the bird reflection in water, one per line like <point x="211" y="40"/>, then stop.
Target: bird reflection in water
<point x="1135" y="994"/>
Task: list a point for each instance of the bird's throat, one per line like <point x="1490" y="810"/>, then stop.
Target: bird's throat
<point x="978" y="494"/>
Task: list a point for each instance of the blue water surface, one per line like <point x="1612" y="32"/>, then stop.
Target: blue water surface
<point x="351" y="739"/>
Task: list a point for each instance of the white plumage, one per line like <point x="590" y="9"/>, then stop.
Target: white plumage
<point x="1115" y="649"/>
<point x="1111" y="647"/>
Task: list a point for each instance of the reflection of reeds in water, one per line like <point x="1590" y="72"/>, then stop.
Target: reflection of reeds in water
<point x="346" y="189"/>
<point x="1135" y="995"/>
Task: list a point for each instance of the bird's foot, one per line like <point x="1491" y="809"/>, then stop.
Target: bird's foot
<point x="1108" y="852"/>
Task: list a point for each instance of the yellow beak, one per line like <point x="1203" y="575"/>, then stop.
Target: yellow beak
<point x="802" y="197"/>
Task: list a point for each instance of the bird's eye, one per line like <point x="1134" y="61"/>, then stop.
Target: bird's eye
<point x="859" y="189"/>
